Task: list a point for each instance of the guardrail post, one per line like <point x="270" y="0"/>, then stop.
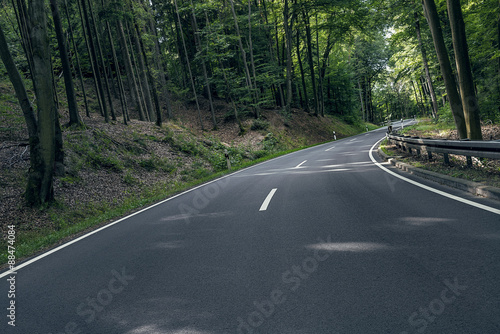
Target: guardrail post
<point x="446" y="159"/>
<point x="418" y="152"/>
<point x="429" y="155"/>
<point x="469" y="161"/>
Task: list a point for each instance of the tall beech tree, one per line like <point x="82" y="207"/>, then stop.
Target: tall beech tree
<point x="94" y="59"/>
<point x="426" y="66"/>
<point x="41" y="129"/>
<point x="248" y="77"/>
<point x="136" y="97"/>
<point x="203" y="64"/>
<point x="78" y="64"/>
<point x="188" y="63"/>
<point x="466" y="83"/>
<point x="74" y="115"/>
<point x="432" y="17"/>
<point x="288" y="37"/>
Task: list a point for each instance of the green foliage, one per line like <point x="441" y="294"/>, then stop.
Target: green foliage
<point x="445" y="114"/>
<point x="259" y="124"/>
<point x="129" y="179"/>
<point x="351" y="119"/>
<point x="68" y="179"/>
<point x="154" y="163"/>
<point x="96" y="150"/>
<point x="270" y="142"/>
<point x="104" y="161"/>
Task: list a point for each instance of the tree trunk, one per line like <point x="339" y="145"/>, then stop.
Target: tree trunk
<point x="252" y="61"/>
<point x="498" y="62"/>
<point x="22" y="22"/>
<point x="91" y="60"/>
<point x="18" y="84"/>
<point x="444" y="63"/>
<point x="244" y="58"/>
<point x="203" y="65"/>
<point x="302" y="75"/>
<point x="321" y="100"/>
<point x="188" y="65"/>
<point x="78" y="65"/>
<point x="121" y="93"/>
<point x="420" y="104"/>
<point x="322" y="70"/>
<point x="369" y="105"/>
<point x="469" y="99"/>
<point x="130" y="72"/>
<point x="274" y="90"/>
<point x="156" y="100"/>
<point x="142" y="71"/>
<point x="361" y="100"/>
<point x="423" y="96"/>
<point x="288" y="35"/>
<point x="311" y="62"/>
<point x="40" y="189"/>
<point x="160" y="68"/>
<point x="426" y="67"/>
<point x="103" y="66"/>
<point x="182" y="71"/>
<point x="135" y="68"/>
<point x="94" y="61"/>
<point x="226" y="81"/>
<point x="74" y="116"/>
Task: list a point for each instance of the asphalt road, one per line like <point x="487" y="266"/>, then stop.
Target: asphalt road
<point x="318" y="241"/>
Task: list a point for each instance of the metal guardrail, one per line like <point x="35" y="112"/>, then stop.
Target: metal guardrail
<point x="467" y="148"/>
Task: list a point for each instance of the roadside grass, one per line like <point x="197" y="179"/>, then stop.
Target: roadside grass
<point x="430" y="128"/>
<point x="384" y="146"/>
<point x="351" y="128"/>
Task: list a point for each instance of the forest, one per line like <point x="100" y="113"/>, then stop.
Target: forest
<point x="361" y="60"/>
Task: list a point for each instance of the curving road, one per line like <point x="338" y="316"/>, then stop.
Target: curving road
<point x="324" y="240"/>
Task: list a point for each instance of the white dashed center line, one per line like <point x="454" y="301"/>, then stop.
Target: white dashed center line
<point x="264" y="205"/>
<point x="303" y="162"/>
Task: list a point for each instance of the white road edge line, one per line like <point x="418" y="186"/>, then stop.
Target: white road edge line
<point x="437" y="191"/>
<point x="303" y="162"/>
<point x="266" y="202"/>
<point x="331" y="148"/>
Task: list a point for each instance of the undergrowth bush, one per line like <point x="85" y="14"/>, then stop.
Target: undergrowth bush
<point x="259" y="124"/>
